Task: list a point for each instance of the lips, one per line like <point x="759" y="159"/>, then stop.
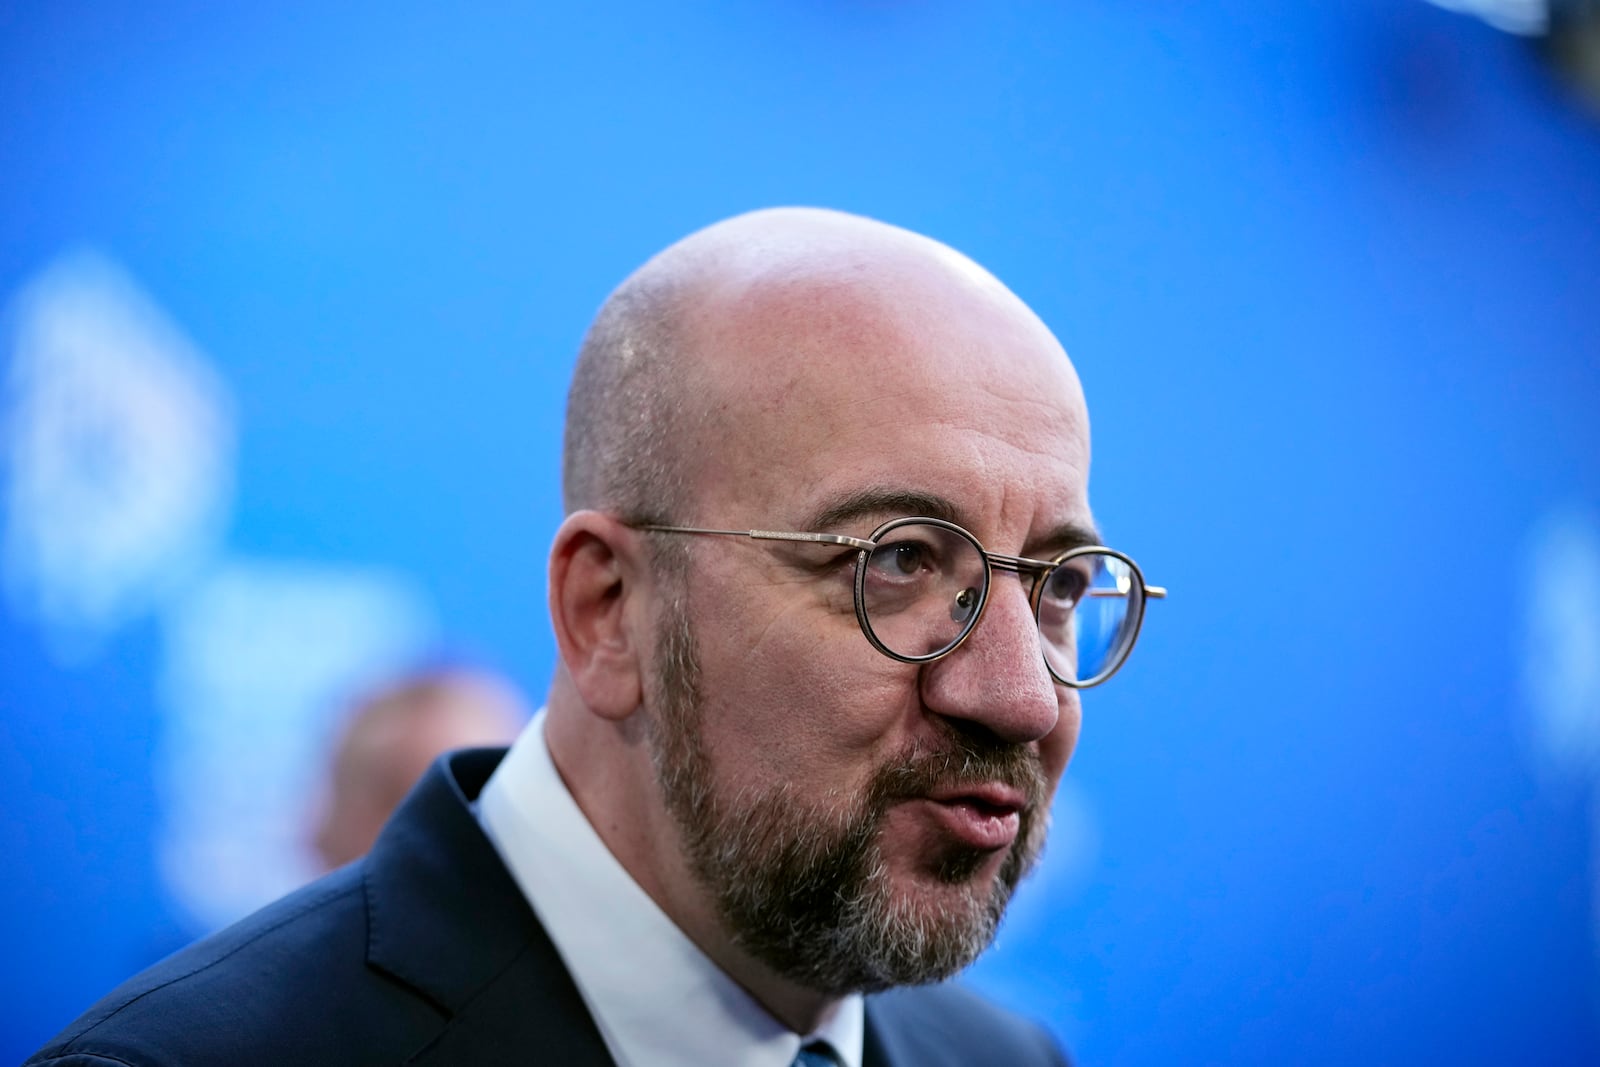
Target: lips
<point x="984" y="816"/>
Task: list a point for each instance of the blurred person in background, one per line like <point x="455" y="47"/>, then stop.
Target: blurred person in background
<point x="388" y="739"/>
<point x="826" y="593"/>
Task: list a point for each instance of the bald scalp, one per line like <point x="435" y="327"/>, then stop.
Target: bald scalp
<point x="648" y="381"/>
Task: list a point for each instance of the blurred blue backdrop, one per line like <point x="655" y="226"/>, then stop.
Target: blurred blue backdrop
<point x="293" y="293"/>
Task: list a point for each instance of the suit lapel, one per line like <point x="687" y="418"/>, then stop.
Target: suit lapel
<point x="446" y="920"/>
<point x="873" y="1053"/>
<point x="901" y="1033"/>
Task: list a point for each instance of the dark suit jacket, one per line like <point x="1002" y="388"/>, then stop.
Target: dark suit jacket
<point x="426" y="952"/>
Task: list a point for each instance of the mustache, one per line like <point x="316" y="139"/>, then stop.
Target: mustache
<point x="961" y="761"/>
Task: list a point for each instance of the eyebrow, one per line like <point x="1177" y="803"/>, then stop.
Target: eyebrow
<point x="884" y="503"/>
<point x="880" y="502"/>
<point x="1065" y="537"/>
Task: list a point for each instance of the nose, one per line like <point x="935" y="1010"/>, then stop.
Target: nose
<point x="997" y="677"/>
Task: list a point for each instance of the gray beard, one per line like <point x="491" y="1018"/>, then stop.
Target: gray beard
<point x="801" y="885"/>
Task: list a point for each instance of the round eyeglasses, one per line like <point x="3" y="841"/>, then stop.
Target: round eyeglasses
<point x="921" y="585"/>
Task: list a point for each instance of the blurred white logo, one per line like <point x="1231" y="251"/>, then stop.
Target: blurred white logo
<point x="118" y="439"/>
<point x="119" y="442"/>
<point x="1528" y="18"/>
<point x="1561" y="661"/>
<point x="1561" y="649"/>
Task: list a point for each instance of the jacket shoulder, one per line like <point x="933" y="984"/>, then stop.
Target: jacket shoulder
<point x="402" y="955"/>
<point x="270" y="989"/>
<point x="947" y="1024"/>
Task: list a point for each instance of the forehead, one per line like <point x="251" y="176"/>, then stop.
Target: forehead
<point x="921" y="376"/>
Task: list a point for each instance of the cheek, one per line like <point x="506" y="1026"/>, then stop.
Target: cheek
<point x="799" y="695"/>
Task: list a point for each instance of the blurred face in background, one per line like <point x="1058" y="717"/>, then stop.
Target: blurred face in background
<point x="392" y="737"/>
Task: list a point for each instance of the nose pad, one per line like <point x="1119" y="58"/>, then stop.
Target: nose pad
<point x="997" y="677"/>
<point x="962" y="605"/>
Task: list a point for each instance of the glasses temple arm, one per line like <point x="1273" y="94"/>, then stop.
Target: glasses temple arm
<point x="1151" y="592"/>
<point x="815" y="538"/>
<point x="768" y="535"/>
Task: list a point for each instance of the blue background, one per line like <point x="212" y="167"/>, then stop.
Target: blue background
<point x="1328" y="273"/>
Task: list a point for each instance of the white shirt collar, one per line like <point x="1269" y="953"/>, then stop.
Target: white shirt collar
<point x="657" y="999"/>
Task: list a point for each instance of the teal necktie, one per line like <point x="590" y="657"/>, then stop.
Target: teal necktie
<point x="816" y="1054"/>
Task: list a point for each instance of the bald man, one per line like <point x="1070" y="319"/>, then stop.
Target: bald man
<point x="825" y="596"/>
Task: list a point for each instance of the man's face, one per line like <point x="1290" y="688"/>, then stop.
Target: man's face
<point x="858" y="821"/>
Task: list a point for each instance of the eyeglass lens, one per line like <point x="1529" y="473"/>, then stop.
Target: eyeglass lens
<point x="1088" y="614"/>
<point x="921" y="589"/>
<point x="923" y="585"/>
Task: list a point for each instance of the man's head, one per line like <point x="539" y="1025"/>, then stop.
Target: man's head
<point x="811" y="811"/>
<point x="390" y="736"/>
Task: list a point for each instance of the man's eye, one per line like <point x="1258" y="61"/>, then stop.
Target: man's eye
<point x="901" y="560"/>
<point x="1066" y="584"/>
<point x="908" y="559"/>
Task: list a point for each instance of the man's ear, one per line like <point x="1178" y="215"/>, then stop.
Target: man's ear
<point x="595" y="568"/>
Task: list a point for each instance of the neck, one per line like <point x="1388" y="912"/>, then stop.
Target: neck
<point x="607" y="770"/>
<point x="801" y="1010"/>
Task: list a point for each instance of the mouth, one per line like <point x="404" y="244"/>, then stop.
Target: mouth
<point x="984" y="816"/>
